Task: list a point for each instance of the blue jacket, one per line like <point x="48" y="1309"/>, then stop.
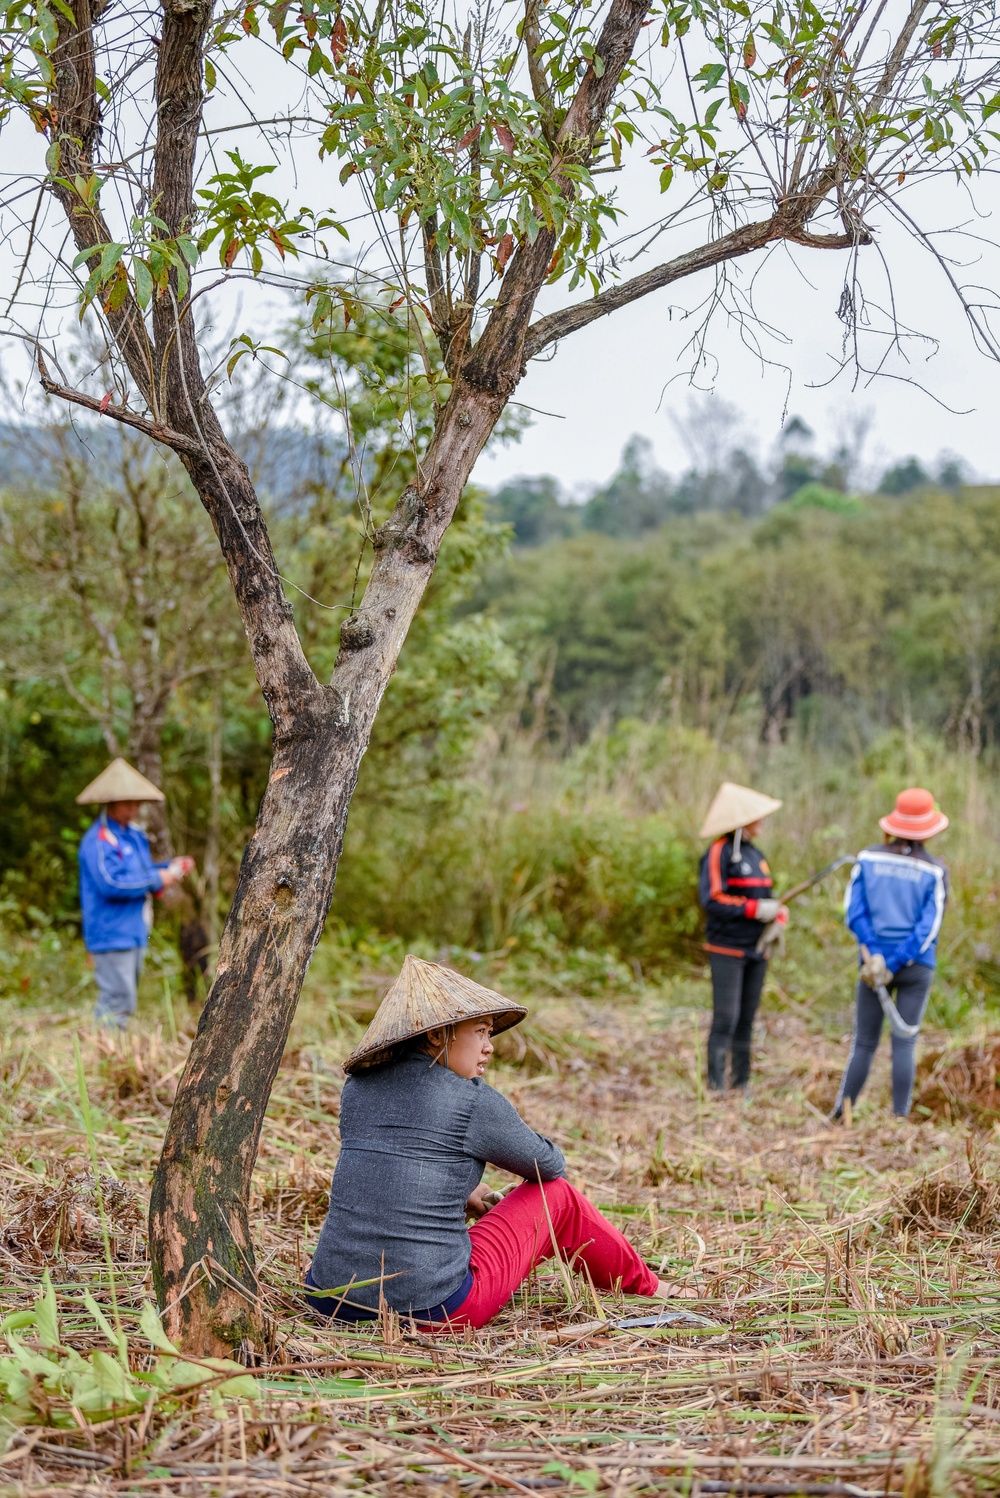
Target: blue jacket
<point x="116" y="875"/>
<point x="895" y="902"/>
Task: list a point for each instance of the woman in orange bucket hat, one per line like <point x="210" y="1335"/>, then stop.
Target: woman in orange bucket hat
<point x="894" y="905"/>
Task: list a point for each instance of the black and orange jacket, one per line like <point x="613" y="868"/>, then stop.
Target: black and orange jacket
<point x="729" y="889"/>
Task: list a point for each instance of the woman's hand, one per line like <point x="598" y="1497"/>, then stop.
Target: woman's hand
<point x="670" y="1290"/>
<point x="477" y="1205"/>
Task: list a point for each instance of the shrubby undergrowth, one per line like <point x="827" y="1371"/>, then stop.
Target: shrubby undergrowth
<point x="531" y="804"/>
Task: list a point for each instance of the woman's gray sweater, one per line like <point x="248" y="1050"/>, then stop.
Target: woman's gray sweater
<point x="414" y="1141"/>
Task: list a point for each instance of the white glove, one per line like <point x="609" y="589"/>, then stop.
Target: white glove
<point x="767" y="911"/>
<point x="772" y="943"/>
<point x="874" y="971"/>
<point x="494" y="1198"/>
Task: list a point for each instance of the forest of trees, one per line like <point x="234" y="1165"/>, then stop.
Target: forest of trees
<point x="725" y="472"/>
<point x="825" y="621"/>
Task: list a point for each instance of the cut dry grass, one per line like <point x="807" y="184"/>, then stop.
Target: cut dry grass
<point x="962" y="1082"/>
<point x="849" y="1278"/>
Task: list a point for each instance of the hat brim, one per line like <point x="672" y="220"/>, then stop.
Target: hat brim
<point x="912" y="834"/>
<point x="84" y="800"/>
<point x="362" y="1060"/>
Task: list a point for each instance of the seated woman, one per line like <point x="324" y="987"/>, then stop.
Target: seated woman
<point x="417" y="1126"/>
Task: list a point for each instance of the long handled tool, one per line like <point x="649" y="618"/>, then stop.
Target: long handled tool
<point x="897" y="1023"/>
<point x="831" y="868"/>
<point x="767" y="935"/>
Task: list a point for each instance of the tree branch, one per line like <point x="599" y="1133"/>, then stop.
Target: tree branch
<point x="75" y="117"/>
<point x="495" y="363"/>
<point x="742" y="241"/>
<point x="540" y="87"/>
<point x="154" y="429"/>
<point x="217" y="472"/>
<point x="437" y="294"/>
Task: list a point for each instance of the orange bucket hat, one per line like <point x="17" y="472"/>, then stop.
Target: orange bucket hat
<point x="915" y="816"/>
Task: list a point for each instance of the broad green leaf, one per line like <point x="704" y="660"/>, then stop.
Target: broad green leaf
<point x="152" y="1328"/>
<point x="47" y="1314"/>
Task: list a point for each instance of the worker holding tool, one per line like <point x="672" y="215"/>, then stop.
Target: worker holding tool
<point x="894" y="905"/>
<point x="118" y="880"/>
<point x="740" y="911"/>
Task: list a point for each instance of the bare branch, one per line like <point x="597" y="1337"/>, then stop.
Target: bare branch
<point x="536" y="73"/>
<point x="437" y="291"/>
<point x="154" y="429"/>
<point x="742" y="241"/>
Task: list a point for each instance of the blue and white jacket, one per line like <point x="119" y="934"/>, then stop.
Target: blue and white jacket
<point x="117" y="875"/>
<point x="895" y="902"/>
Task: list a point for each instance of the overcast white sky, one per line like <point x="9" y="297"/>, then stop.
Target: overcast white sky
<point x="627" y="373"/>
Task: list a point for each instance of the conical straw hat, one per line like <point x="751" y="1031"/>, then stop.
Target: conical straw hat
<point x="119" y="782"/>
<point x="735" y="806"/>
<point x="424" y="996"/>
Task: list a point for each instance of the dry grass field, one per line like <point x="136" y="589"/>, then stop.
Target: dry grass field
<point x="846" y="1337"/>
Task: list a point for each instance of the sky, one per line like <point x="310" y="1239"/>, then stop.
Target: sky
<point x="632" y="372"/>
<point x="635" y="371"/>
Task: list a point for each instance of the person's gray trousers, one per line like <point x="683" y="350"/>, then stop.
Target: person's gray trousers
<point x="117" y="975"/>
<point x="910" y="988"/>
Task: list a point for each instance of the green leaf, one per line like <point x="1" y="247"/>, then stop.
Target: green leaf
<point x="115" y="1338"/>
<point x="47" y="1315"/>
<point x="152" y="1327"/>
<point x="143" y="282"/>
<point x="110" y="256"/>
<point x="16" y="1321"/>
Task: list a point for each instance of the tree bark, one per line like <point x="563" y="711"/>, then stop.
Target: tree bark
<point x="199" y="1230"/>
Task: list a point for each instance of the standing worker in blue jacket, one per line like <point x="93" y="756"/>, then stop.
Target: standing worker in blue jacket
<point x="742" y="920"/>
<point x="894" y="905"/>
<point x="118" y="880"/>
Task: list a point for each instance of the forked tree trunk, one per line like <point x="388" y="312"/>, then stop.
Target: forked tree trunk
<point x="200" y="1238"/>
<point x="200" y="1243"/>
<point x="199" y="1230"/>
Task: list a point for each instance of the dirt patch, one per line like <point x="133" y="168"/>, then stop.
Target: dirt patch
<point x="961" y="1083"/>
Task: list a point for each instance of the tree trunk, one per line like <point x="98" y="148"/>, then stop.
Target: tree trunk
<point x="203" y="1266"/>
<point x="213" y="840"/>
<point x="145" y="750"/>
<point x="199" y="1232"/>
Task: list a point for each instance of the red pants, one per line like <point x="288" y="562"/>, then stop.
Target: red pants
<point x="515" y="1235"/>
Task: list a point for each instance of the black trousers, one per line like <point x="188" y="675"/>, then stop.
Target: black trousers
<point x="911" y="988"/>
<point x="737" y="984"/>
